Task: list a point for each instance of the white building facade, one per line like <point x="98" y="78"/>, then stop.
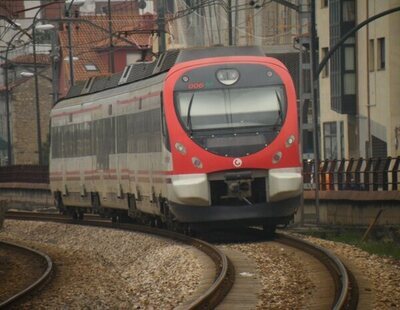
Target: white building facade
<point x="359" y="89"/>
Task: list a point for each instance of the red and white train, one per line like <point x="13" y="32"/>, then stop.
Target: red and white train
<point x="198" y="136"/>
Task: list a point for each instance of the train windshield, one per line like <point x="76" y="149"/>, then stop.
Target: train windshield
<point x="232" y="108"/>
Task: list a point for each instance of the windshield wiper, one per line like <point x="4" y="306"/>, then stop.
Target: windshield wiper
<point x="188" y="117"/>
<point x="279" y="119"/>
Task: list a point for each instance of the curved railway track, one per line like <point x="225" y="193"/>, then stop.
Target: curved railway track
<point x="345" y="285"/>
<point x="225" y="272"/>
<point x="44" y="259"/>
<point x="346" y="289"/>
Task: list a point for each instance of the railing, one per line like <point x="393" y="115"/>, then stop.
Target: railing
<point x="24" y="174"/>
<point x="374" y="174"/>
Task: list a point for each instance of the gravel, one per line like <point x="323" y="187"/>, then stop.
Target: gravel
<point x="382" y="272"/>
<point x="18" y="269"/>
<point x="285" y="284"/>
<point x="106" y="269"/>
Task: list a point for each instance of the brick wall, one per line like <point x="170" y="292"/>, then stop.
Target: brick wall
<point x="23" y="115"/>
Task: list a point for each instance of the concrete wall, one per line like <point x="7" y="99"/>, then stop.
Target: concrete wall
<point x="25" y="196"/>
<point x="351" y="207"/>
<point x="353" y="213"/>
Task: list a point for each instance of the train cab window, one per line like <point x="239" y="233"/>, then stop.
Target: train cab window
<point x="232" y="108"/>
<point x="232" y="121"/>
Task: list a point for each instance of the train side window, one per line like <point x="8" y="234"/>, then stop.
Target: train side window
<point x="164" y="128"/>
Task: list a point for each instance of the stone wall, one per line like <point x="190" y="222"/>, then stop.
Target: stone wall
<point x="23" y="114"/>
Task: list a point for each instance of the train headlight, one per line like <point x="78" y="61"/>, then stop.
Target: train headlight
<point x="197" y="162"/>
<point x="180" y="148"/>
<point x="277" y="157"/>
<point x="290" y="141"/>
<point x="228" y="76"/>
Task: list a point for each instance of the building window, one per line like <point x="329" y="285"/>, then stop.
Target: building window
<point x="371" y="55"/>
<point x="325" y="72"/>
<point x="379" y="148"/>
<point x="349" y="81"/>
<point x="349" y="11"/>
<point x="91" y="67"/>
<point x="330" y="140"/>
<point x="381" y="54"/>
<point x="343" y="65"/>
<point x="324" y="4"/>
<point x="349" y="77"/>
<point x="349" y="61"/>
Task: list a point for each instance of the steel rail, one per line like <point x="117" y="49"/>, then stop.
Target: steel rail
<point x="346" y="290"/>
<point x="225" y="272"/>
<point x="38" y="283"/>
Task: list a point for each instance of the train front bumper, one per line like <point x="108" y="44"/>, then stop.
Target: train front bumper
<point x="284" y="183"/>
<point x="190" y="197"/>
<point x="252" y="214"/>
<point x="194" y="189"/>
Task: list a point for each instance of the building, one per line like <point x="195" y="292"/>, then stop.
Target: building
<point x="94" y="54"/>
<point x="359" y="105"/>
<point x="16" y="57"/>
<point x="23" y="109"/>
<point x="132" y="41"/>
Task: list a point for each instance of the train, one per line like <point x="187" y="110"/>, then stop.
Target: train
<point x="197" y="136"/>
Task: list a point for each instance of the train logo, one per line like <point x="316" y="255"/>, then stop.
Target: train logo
<point x="237" y="162"/>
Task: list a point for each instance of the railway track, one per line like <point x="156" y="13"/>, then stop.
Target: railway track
<point x="345" y="286"/>
<point x="37" y="268"/>
<point x="342" y="285"/>
<point x="224" y="276"/>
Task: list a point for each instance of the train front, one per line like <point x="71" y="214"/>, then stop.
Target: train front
<point x="232" y="128"/>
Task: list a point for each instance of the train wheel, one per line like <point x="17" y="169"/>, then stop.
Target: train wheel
<point x="188" y="230"/>
<point x="74" y="214"/>
<point x="157" y="222"/>
<point x="269" y="229"/>
<point x="171" y="225"/>
<point x="80" y="215"/>
<point x="96" y="202"/>
<point x="58" y="203"/>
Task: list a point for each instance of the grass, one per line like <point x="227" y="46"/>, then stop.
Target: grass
<point x="381" y="241"/>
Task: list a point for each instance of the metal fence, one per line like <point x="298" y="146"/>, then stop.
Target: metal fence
<point x="374" y="174"/>
<point x="24" y="174"/>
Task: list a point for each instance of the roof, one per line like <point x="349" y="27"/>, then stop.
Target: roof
<point x="41" y="59"/>
<point x="89" y="41"/>
<point x="12" y="8"/>
<point x="142" y="70"/>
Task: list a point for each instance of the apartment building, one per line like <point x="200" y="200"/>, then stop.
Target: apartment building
<point x="359" y="89"/>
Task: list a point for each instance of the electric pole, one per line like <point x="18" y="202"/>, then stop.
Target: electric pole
<point x="111" y="65"/>
<point x="230" y="34"/>
<point x="161" y="26"/>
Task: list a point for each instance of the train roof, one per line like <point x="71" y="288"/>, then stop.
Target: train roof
<point x="142" y="70"/>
